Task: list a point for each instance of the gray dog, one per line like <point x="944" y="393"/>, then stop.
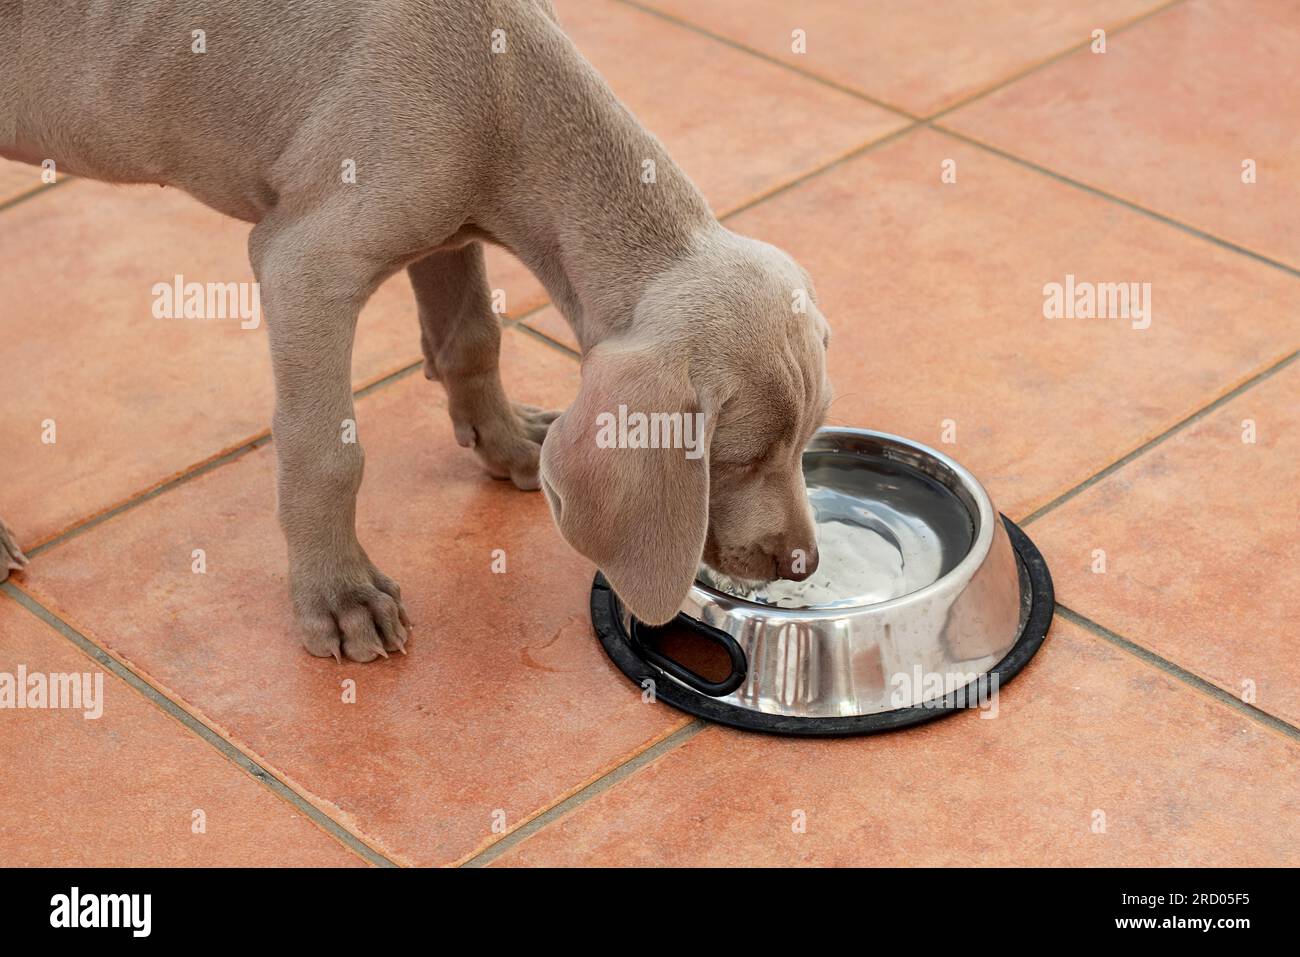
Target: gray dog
<point x="468" y="121"/>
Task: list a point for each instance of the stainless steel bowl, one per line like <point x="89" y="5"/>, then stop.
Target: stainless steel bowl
<point x="925" y="601"/>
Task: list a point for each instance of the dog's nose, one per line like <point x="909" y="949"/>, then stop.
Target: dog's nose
<point x="797" y="563"/>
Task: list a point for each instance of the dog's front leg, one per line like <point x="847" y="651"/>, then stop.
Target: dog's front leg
<point x="461" y="337"/>
<point x="312" y="292"/>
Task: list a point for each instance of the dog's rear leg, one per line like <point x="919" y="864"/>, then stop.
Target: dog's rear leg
<point x="312" y="288"/>
<point x="461" y="337"/>
<point x="11" y="557"/>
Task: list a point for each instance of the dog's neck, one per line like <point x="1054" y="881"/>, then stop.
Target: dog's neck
<point x="582" y="194"/>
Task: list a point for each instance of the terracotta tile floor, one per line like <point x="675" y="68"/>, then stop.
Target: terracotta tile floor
<point x="1157" y="468"/>
<point x="1152" y="123"/>
<point x="122" y="783"/>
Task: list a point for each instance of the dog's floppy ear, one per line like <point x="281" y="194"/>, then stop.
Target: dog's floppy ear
<point x="639" y="513"/>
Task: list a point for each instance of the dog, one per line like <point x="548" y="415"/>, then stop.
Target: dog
<point x="466" y="122"/>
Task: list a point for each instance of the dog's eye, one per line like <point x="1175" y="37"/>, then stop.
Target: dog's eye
<point x="735" y="471"/>
<point x="740" y="463"/>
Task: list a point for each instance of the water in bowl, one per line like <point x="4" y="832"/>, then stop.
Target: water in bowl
<point x="884" y="530"/>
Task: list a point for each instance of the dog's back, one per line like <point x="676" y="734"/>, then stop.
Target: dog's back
<point x="216" y="97"/>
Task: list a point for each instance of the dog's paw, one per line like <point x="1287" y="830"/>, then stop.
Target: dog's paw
<point x="510" y="446"/>
<point x="11" y="557"/>
<point x="356" y="615"/>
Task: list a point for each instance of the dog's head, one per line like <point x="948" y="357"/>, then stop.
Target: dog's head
<point x="686" y="437"/>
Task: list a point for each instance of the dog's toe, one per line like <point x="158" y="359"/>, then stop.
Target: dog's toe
<point x="526" y="479"/>
<point x="535" y="422"/>
<point x="11" y="557"/>
<point x="361" y="638"/>
<point x="320" y="636"/>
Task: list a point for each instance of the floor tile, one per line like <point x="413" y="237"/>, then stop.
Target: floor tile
<point x="1164" y="123"/>
<point x="1088" y="736"/>
<point x="16" y="179"/>
<point x="737" y="125"/>
<point x="122" y="789"/>
<point x="136" y="400"/>
<point x="915" y="56"/>
<point x="1198" y="540"/>
<point x="934" y="293"/>
<point x="503" y="707"/>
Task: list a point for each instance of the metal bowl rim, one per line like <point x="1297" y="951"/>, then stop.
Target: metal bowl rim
<point x="970" y="563"/>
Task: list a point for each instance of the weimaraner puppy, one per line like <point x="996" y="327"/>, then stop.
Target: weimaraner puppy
<point x="466" y="121"/>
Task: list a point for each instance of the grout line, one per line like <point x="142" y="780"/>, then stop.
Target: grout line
<point x="601" y="784"/>
<point x="545" y="339"/>
<point x="527" y="314"/>
<point x="769" y="58"/>
<point x="865" y="146"/>
<point x="237" y="452"/>
<point x="1159" y="439"/>
<point x="1128" y="204"/>
<point x="35" y="191"/>
<point x="392" y="377"/>
<point x="221" y="744"/>
<point x="811" y="174"/>
<point x="1182" y="674"/>
<point x="1054" y="58"/>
